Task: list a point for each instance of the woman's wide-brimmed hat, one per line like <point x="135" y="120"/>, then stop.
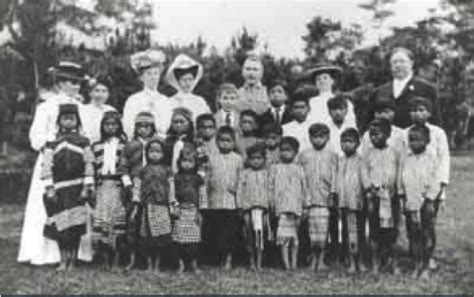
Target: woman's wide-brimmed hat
<point x="332" y="70"/>
<point x="147" y="59"/>
<point x="68" y="70"/>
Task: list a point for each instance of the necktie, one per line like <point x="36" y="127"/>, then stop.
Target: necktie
<point x="228" y="120"/>
<point x="277" y="115"/>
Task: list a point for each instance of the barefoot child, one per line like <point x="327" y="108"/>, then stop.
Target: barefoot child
<point x="222" y="217"/>
<point x="185" y="190"/>
<point x="320" y="167"/>
<point x="132" y="160"/>
<point x="420" y="112"/>
<point x="287" y="190"/>
<point x="379" y="178"/>
<point x="68" y="175"/>
<point x="349" y="192"/>
<point x="109" y="217"/>
<point x="151" y="193"/>
<point x="252" y="198"/>
<point x="420" y="188"/>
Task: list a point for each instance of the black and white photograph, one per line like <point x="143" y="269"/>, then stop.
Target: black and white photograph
<point x="217" y="147"/>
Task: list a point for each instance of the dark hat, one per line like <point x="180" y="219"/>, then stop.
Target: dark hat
<point x="333" y="71"/>
<point x="180" y="72"/>
<point x="68" y="70"/>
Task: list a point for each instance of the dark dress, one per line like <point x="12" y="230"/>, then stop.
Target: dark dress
<point x="68" y="164"/>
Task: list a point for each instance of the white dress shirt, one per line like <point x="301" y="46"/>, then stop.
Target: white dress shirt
<point x="319" y="112"/>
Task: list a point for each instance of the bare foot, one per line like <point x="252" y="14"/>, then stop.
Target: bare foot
<point x="433" y="264"/>
<point x="61" y="267"/>
<point x="425" y="275"/>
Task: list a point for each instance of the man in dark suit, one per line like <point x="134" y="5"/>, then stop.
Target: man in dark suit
<point x="278" y="112"/>
<point x="404" y="86"/>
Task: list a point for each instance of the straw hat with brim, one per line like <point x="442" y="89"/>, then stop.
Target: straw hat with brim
<point x="333" y="71"/>
<point x="68" y="70"/>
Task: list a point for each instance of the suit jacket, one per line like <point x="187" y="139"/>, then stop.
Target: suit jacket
<point x="267" y="117"/>
<point x="415" y="87"/>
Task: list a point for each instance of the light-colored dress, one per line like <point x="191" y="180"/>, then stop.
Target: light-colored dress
<point x="91" y="117"/>
<point x="150" y="101"/>
<point x="34" y="247"/>
<point x="196" y="104"/>
<point x="300" y="132"/>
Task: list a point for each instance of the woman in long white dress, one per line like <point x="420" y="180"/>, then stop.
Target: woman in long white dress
<point x="91" y="114"/>
<point x="324" y="77"/>
<point x="34" y="247"/>
<point x="148" y="65"/>
<point x="183" y="75"/>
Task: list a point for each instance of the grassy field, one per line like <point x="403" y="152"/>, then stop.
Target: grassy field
<point x="455" y="253"/>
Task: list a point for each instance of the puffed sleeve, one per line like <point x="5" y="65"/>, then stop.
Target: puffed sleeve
<point x="39" y="129"/>
<point x="89" y="166"/>
<point x="47" y="168"/>
<point x="129" y="113"/>
<point x="333" y="168"/>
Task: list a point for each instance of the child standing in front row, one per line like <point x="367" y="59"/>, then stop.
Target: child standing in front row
<point x="185" y="197"/>
<point x="132" y="160"/>
<point x="252" y="198"/>
<point x="419" y="187"/>
<point x="379" y="178"/>
<point x="109" y="216"/>
<point x="350" y="195"/>
<point x="288" y="192"/>
<point x="151" y="190"/>
<point x="223" y="177"/>
<point x="320" y="167"/>
<point x="68" y="174"/>
<point x="420" y="111"/>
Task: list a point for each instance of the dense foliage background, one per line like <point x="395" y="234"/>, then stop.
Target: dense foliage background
<point x="442" y="43"/>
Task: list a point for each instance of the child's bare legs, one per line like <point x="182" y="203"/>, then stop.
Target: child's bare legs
<point x="374" y="226"/>
<point x="228" y="261"/>
<point x="428" y="221"/>
<point x="63" y="252"/>
<point x="284" y="254"/>
<point x="352" y="240"/>
<point x="294" y="254"/>
<point x="156" y="267"/>
<point x="250" y="239"/>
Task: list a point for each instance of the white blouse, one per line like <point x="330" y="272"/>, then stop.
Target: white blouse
<point x="91" y="117"/>
<point x="196" y="104"/>
<point x="319" y="112"/>
<point x="151" y="101"/>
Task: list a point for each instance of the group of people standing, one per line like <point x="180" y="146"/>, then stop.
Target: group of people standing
<point x="167" y="171"/>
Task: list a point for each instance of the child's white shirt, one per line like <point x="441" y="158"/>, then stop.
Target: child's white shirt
<point x="300" y="132"/>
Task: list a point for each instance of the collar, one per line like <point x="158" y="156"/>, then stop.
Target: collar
<point x="404" y="81"/>
<point x="149" y="91"/>
<point x="256" y="86"/>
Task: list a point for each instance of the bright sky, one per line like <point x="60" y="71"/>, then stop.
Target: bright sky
<point x="280" y="23"/>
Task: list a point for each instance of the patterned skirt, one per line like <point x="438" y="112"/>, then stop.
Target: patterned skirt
<point x="186" y="229"/>
<point x="155" y="225"/>
<point x="318" y="224"/>
<point x="109" y="220"/>
<point x="287" y="230"/>
<point x="67" y="213"/>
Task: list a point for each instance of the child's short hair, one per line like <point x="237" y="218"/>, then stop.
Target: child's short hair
<point x="423" y="130"/>
<point x="258" y="148"/>
<point x="272" y="128"/>
<point x="248" y="113"/>
<point x="278" y="82"/>
<point x="381" y="124"/>
<point x="188" y="152"/>
<point x="338" y="102"/>
<point x="205" y="117"/>
<point x="383" y="103"/>
<point x="291" y="141"/>
<point x="226" y="87"/>
<point x="318" y="129"/>
<point x="351" y="133"/>
<point x="226" y="130"/>
<point x="416" y="101"/>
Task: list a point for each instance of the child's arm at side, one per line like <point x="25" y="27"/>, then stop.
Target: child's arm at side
<point x="47" y="169"/>
<point x="444" y="161"/>
<point x="401" y="193"/>
<point x="124" y="167"/>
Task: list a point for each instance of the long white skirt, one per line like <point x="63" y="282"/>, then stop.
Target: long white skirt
<point x="34" y="247"/>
